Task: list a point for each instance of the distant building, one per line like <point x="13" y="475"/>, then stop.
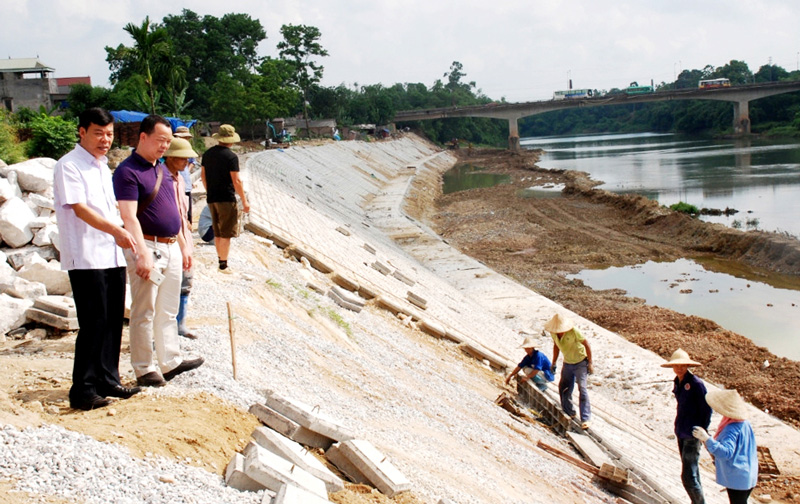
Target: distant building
<point x="64" y="86"/>
<point x="26" y="82"/>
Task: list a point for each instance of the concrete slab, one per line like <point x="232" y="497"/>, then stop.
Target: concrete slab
<point x="290" y="428"/>
<point x="309" y="417"/>
<point x="375" y="466"/>
<point x="235" y="476"/>
<point x="346" y="299"/>
<point x="274" y="471"/>
<point x="403" y="278"/>
<point x="349" y="469"/>
<point x="291" y="494"/>
<point x="480" y="352"/>
<point x="52" y="320"/>
<point x="432" y="328"/>
<point x="294" y="452"/>
<point x="59" y="305"/>
<point x="590" y="450"/>
<point x="417" y="300"/>
<point x="344" y="282"/>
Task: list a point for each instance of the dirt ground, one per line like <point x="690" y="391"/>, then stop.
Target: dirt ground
<point x="538" y="241"/>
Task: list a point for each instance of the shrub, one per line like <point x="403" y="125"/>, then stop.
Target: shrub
<point x="11" y="151"/>
<point x="51" y="136"/>
<point x="685" y="208"/>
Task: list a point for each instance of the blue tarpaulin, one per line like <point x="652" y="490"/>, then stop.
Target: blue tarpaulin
<point x="129" y="116"/>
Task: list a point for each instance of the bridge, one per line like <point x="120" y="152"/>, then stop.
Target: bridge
<point x="741" y="96"/>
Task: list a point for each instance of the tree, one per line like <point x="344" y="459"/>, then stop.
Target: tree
<point x="212" y="47"/>
<point x="300" y="44"/>
<point x="151" y="51"/>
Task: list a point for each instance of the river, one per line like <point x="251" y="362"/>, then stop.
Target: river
<point x="759" y="178"/>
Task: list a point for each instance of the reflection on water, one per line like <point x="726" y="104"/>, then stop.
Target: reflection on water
<point x="467" y="176"/>
<point x="760" y="178"/>
<point x="766" y="315"/>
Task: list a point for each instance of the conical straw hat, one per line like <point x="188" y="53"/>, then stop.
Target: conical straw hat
<point x="680" y="357"/>
<point x="727" y="403"/>
<point x="529" y="342"/>
<point x="559" y="324"/>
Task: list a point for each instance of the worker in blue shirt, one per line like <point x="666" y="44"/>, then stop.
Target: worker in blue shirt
<point x="733" y="446"/>
<point x="690" y="392"/>
<point x="535" y="365"/>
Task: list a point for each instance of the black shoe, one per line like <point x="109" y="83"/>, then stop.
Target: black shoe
<point x="151" y="379"/>
<point x="121" y="392"/>
<point x="186" y="365"/>
<point x="188" y="335"/>
<point x="91" y="403"/>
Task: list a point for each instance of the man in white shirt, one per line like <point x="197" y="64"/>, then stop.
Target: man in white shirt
<point x="92" y="239"/>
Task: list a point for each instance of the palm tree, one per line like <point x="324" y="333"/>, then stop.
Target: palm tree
<point x="151" y="48"/>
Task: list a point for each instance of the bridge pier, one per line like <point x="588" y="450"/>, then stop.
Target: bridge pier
<point x="741" y="117"/>
<point x="513" y="135"/>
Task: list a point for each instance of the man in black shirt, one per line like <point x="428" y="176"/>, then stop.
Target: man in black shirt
<point x="220" y="174"/>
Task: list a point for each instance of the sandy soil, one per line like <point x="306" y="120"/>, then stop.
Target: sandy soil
<point x="538" y="241"/>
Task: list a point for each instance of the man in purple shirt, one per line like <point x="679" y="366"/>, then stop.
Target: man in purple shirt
<point x="146" y="195"/>
<point x="690" y="392"/>
<point x="92" y="239"/>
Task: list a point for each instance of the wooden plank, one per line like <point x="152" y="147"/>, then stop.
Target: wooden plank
<point x="569" y="458"/>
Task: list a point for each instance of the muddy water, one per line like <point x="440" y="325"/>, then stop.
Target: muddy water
<point x="467" y="176"/>
<point x="765" y="314"/>
<point x="760" y="178"/>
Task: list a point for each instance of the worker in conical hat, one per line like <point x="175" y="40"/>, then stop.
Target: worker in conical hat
<point x="578" y="365"/>
<point x="690" y="393"/>
<point x="534" y="366"/>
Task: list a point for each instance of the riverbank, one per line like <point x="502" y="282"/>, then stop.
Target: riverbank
<point x="539" y="241"/>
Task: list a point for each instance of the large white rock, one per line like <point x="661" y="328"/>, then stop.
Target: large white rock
<point x="50" y="274"/>
<point x="48" y="235"/>
<point x="15" y="222"/>
<point x="34" y="175"/>
<point x="19" y="257"/>
<point x="8" y="190"/>
<point x="18" y="287"/>
<point x="41" y="201"/>
<point x="12" y="312"/>
<point x="7" y="273"/>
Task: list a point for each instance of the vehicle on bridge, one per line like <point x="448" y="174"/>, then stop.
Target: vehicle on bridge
<point x="635" y="88"/>
<point x="714" y="83"/>
<point x="573" y="94"/>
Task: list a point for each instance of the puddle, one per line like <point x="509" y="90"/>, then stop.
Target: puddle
<point x="765" y="314"/>
<point x="467" y="176"/>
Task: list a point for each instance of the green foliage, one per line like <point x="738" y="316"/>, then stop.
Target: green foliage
<point x="51" y="136"/>
<point x="299" y="48"/>
<point x="685" y="208"/>
<point x="212" y="47"/>
<point x="11" y="151"/>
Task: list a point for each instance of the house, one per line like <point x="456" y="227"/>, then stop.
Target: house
<point x="64" y="86"/>
<point x="26" y="82"/>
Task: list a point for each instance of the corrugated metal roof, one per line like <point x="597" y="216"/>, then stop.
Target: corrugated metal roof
<point x="23" y="65"/>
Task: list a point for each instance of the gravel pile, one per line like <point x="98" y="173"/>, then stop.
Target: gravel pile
<point x="51" y="460"/>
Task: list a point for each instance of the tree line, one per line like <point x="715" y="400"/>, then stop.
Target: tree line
<point x="208" y="68"/>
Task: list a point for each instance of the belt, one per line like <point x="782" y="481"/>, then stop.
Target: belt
<point x="161" y="239"/>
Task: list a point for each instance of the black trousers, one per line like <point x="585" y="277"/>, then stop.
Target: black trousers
<point x="100" y="302"/>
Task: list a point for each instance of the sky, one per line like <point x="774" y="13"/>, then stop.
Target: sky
<point x="520" y="50"/>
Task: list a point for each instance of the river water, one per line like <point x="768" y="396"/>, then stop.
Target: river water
<point x="759" y="178"/>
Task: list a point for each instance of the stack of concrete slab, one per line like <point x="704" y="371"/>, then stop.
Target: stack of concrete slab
<point x="55" y="311"/>
<point x="278" y="458"/>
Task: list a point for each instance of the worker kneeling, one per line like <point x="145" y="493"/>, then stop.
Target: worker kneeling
<point x="535" y="365"/>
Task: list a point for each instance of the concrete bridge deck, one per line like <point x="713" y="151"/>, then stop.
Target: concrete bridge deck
<point x="305" y="197"/>
<point x="740" y="96"/>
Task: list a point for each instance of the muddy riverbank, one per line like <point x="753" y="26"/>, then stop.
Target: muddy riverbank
<point x="539" y="241"/>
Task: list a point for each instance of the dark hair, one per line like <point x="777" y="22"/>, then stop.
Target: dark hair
<point x="149" y="124"/>
<point x="94" y="115"/>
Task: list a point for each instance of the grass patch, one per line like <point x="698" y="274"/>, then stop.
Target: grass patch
<point x="334" y="316"/>
<point x="274" y="284"/>
<point x="685" y="208"/>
